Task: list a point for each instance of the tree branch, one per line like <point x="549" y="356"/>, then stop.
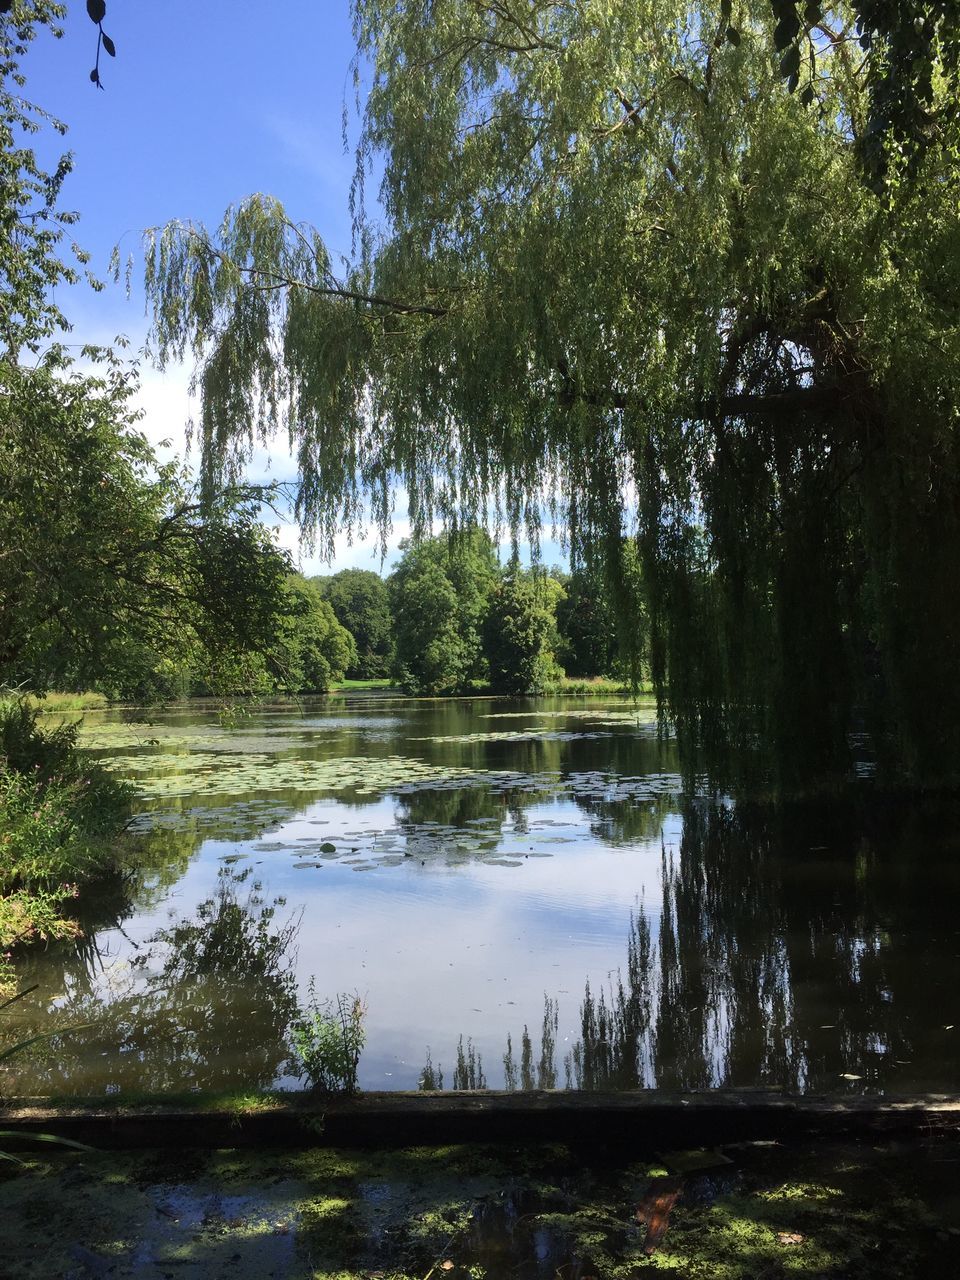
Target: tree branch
<point x="817" y="399"/>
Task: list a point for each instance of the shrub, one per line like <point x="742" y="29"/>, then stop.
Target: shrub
<point x="328" y="1038"/>
<point x="59" y="814"/>
<point x="33" y="917"/>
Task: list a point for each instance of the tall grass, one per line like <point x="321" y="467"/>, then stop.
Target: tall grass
<point x="67" y="701"/>
<point x="590" y="686"/>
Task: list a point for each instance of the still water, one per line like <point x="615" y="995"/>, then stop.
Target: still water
<point x="521" y="893"/>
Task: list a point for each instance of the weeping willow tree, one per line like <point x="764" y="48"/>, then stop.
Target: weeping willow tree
<point x="621" y="276"/>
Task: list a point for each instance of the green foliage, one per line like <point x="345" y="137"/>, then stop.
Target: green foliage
<point x="361" y="602"/>
<point x="328" y="1038"/>
<point x="440" y="595"/>
<point x="912" y="73"/>
<point x="519" y="632"/>
<point x="59" y="819"/>
<point x="431" y="656"/>
<point x="311" y="650"/>
<point x="626" y="274"/>
<point x="126" y="570"/>
<point x="32" y="228"/>
<point x="29" y="917"/>
<point x="114" y="573"/>
<point x="585" y="626"/>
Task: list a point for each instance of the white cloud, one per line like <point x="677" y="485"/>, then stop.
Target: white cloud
<point x="167" y="407"/>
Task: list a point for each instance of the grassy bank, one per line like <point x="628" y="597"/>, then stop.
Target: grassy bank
<point x="344" y="686"/>
<point x="568" y="686"/>
<point x="590" y="686"/>
<point x="59" y="702"/>
<point x="60" y="816"/>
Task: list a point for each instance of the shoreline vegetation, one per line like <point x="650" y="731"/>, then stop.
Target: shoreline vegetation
<point x="61" y="818"/>
<point x="56" y="703"/>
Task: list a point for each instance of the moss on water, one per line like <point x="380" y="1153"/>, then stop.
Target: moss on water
<point x="848" y="1211"/>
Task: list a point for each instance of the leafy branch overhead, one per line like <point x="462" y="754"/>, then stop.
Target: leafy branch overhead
<point x="49" y="13"/>
<point x="621" y="273"/>
<point x="908" y="48"/>
<point x="97" y="11"/>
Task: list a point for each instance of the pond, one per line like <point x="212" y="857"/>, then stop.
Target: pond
<point x="522" y="894"/>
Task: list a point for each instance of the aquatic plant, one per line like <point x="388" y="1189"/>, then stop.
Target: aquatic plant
<point x="328" y="1037"/>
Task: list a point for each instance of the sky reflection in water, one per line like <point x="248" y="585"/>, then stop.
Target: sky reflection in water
<point x="483" y="858"/>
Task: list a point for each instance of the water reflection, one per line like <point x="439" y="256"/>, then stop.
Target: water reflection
<point x="205" y="1004"/>
<point x="804" y="947"/>
<point x="797" y="948"/>
<point x="149" y="867"/>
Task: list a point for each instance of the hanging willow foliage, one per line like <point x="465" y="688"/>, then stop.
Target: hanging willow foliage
<point x="622" y="275"/>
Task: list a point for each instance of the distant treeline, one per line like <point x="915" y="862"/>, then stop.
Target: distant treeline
<point x="451" y="618"/>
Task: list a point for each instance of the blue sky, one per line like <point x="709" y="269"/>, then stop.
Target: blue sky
<point x="204" y="104"/>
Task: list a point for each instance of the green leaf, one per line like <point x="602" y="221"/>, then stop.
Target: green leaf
<point x="785" y="31"/>
<point x="110" y="47"/>
<point x="733" y="36"/>
<point x="42" y="1035"/>
<point x="19" y="996"/>
<point x="726" y="7"/>
<point x="790" y="64"/>
<point x="807" y="96"/>
<point x="21" y="1045"/>
<point x="812" y="13"/>
<point x="97" y="10"/>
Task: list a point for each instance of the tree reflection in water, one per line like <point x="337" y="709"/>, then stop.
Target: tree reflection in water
<point x="797" y="948"/>
<point x="206" y="1005"/>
